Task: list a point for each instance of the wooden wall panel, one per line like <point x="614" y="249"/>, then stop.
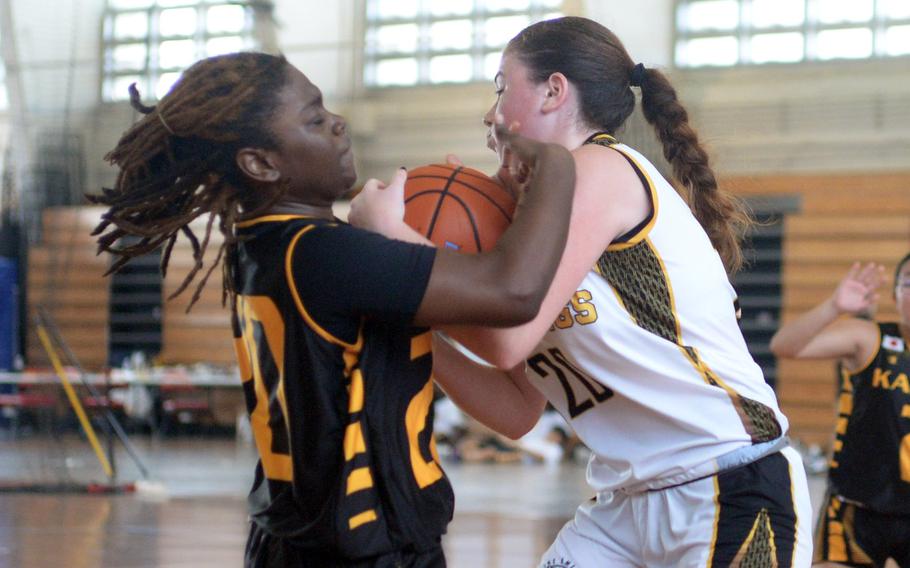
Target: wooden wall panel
<point x="842" y="219"/>
<point x="65" y="276"/>
<point x="204" y="334"/>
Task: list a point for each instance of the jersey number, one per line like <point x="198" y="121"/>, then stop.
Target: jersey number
<point x="261" y="312"/>
<point x="567" y="373"/>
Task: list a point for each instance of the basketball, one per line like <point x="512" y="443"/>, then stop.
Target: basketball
<point x="457" y="207"/>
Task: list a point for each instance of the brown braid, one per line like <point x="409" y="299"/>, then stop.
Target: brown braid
<point x="722" y="215"/>
<point x="177" y="163"/>
<point x="597" y="64"/>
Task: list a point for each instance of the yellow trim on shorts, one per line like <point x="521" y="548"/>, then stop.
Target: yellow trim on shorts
<point x="716" y="521"/>
<point x="795" y="510"/>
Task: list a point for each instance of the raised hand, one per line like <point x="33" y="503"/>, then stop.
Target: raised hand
<point x="857" y="292"/>
<point x="517" y="157"/>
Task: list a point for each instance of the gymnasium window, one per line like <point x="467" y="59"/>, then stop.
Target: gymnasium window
<point x="419" y="42"/>
<point x="4" y="99"/>
<point x="150" y="42"/>
<point x="734" y="32"/>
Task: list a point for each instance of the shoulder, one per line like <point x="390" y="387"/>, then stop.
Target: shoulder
<point x="340" y="248"/>
<point x="606" y="169"/>
<point x="866" y="336"/>
<point x="320" y="234"/>
<point x="595" y="159"/>
<point x="315" y="246"/>
<point x="607" y="183"/>
<point x="858" y="330"/>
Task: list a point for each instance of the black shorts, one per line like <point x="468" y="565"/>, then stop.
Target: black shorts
<point x="853" y="535"/>
<point x="264" y="550"/>
<point x="757" y="522"/>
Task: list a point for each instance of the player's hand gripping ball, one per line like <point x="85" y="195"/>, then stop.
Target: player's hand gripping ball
<point x="457" y="207"/>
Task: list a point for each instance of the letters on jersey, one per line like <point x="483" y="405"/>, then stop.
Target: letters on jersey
<point x="871" y="461"/>
<point x="647" y="361"/>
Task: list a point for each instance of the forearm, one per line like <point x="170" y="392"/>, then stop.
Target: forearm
<point x="502" y="347"/>
<point x="501" y="400"/>
<point x="529" y="252"/>
<point x="795" y="335"/>
<point x="403" y="232"/>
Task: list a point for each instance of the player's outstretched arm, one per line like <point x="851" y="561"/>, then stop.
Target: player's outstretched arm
<point x="506" y="285"/>
<point x="503" y="401"/>
<point x="379" y="207"/>
<point x="609" y="200"/>
<point x="821" y="334"/>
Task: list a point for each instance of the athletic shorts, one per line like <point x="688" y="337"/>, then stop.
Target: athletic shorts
<point x="264" y="550"/>
<point x="853" y="535"/>
<point x="754" y="515"/>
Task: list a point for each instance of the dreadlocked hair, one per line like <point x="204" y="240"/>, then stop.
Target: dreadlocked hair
<point x="177" y="163"/>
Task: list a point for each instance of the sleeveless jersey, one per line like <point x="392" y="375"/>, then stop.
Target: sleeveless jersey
<point x="871" y="461"/>
<point x="338" y="387"/>
<point x="647" y="361"/>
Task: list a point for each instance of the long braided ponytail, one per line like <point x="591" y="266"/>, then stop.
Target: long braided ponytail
<point x="597" y="64"/>
<point x="721" y="214"/>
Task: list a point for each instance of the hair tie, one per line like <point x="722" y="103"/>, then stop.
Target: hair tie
<point x="637" y="76"/>
<point x="164" y="124"/>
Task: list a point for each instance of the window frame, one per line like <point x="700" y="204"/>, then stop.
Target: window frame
<point x="151" y="71"/>
<point x="809" y="28"/>
<point x="423" y="53"/>
<point x="4" y="92"/>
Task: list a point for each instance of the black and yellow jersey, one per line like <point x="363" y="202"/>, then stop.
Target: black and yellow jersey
<point x="871" y="461"/>
<point x="338" y="386"/>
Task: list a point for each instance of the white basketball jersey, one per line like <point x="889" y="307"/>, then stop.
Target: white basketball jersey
<point x="647" y="361"/>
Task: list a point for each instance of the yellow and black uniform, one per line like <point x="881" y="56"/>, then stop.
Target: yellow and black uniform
<point x="339" y="391"/>
<point x="866" y="517"/>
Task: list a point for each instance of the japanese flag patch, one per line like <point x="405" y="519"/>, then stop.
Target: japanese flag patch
<point x="892" y="343"/>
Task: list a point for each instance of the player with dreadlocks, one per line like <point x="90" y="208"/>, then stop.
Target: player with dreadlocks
<point x="330" y="321"/>
<point x="177" y="169"/>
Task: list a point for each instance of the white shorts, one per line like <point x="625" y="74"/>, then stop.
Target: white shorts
<point x="755" y="515"/>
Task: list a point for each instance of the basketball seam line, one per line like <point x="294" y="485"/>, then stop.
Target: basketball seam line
<point x="467" y="185"/>
<point x="445" y="191"/>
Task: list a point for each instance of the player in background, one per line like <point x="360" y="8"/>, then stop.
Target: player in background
<point x="865" y="518"/>
<point x="330" y="321"/>
<point x="637" y="343"/>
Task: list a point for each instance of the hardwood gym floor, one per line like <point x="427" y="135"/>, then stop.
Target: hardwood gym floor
<point x="506" y="515"/>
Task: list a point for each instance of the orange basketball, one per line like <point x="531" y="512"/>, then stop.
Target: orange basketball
<point x="457" y="207"/>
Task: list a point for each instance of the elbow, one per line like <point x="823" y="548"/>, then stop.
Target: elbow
<point x="774" y="347"/>
<point x="518" y="425"/>
<point x="522" y="303"/>
<point x="517" y="430"/>
<point x="505" y="359"/>
<point x="777" y="348"/>
<point x="782" y="351"/>
<point x="501" y="354"/>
